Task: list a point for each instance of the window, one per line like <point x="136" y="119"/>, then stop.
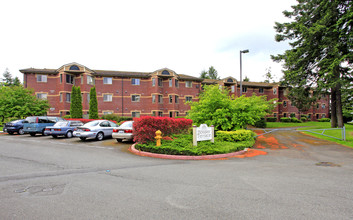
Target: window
<point x="323" y="116"/>
<point x="74" y="67"/>
<point x="90" y="80"/>
<point x="245" y="89"/>
<point x="42" y="96"/>
<point x="188" y="84"/>
<point x="68" y="97"/>
<point x="176" y="83"/>
<point x="70" y="79"/>
<point x="317" y="106"/>
<point x="61" y="97"/>
<point x="176" y="114"/>
<point x="176" y="99"/>
<point x="274" y="91"/>
<point x="165" y="72"/>
<point x="284" y="104"/>
<point x="160" y="82"/>
<point x="88" y="97"/>
<point x="82" y="80"/>
<point x="135" y="82"/>
<point x="153" y="98"/>
<point x="107" y="113"/>
<point x="41" y="78"/>
<point x="170" y="82"/>
<point x="323" y="95"/>
<point x="160" y="114"/>
<point x="317" y="116"/>
<point x="107" y="80"/>
<point x="153" y="81"/>
<point x="135" y="98"/>
<point x="160" y="99"/>
<point x="170" y="114"/>
<point x="275" y="115"/>
<point x="323" y="106"/>
<point x="188" y="98"/>
<point x="170" y="99"/>
<point x="61" y="78"/>
<point x="135" y="114"/>
<point x="232" y="88"/>
<point x="107" y="97"/>
<point x="261" y="90"/>
<point x="309" y="116"/>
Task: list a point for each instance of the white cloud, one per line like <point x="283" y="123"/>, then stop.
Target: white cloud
<point x="186" y="36"/>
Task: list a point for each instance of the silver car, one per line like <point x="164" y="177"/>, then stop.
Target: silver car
<point x="124" y="131"/>
<point x="98" y="129"/>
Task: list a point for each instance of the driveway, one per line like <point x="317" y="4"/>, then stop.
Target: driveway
<point x="45" y="178"/>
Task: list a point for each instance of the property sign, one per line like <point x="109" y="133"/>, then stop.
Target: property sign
<point x="203" y="133"/>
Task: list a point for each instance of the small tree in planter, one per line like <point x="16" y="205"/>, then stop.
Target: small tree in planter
<point x="93" y="104"/>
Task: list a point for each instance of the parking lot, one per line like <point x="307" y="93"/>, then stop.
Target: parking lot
<point x="46" y="178"/>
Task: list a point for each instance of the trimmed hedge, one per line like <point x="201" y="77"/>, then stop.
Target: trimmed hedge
<point x="271" y="119"/>
<point x="261" y="123"/>
<point x="284" y="119"/>
<point x="182" y="145"/>
<point x="324" y="120"/>
<point x="235" y="136"/>
<point x="114" y="117"/>
<point x="145" y="127"/>
<point x="295" y="120"/>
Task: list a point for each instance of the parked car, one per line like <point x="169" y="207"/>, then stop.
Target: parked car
<point x="37" y="124"/>
<point x="14" y="126"/>
<point x="124" y="131"/>
<point x="62" y="128"/>
<point x="98" y="129"/>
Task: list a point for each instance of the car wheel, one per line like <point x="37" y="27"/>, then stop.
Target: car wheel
<point x="10" y="132"/>
<point x="83" y="138"/>
<point x="100" y="136"/>
<point x="69" y="134"/>
<point x="55" y="136"/>
<point x="44" y="133"/>
<point x="32" y="134"/>
<point x="20" y="131"/>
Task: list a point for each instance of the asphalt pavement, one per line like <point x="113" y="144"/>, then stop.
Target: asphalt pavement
<point x="46" y="178"/>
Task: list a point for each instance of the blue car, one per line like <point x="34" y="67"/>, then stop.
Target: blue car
<point x="14" y="126"/>
<point x="37" y="124"/>
<point x="62" y="128"/>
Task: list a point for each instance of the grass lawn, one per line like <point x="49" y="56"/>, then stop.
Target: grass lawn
<point x="319" y="125"/>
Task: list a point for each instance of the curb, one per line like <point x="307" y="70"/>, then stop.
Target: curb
<point x="133" y="150"/>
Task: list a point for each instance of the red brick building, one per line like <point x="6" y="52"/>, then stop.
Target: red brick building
<point x="133" y="94"/>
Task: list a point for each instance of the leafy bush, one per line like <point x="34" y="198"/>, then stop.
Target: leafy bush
<point x="295" y="120"/>
<point x="145" y="127"/>
<point x="292" y="115"/>
<point x="235" y="136"/>
<point x="67" y="116"/>
<point x="271" y="119"/>
<point x="114" y="117"/>
<point x="324" y="120"/>
<point x="284" y="119"/>
<point x="261" y="123"/>
<point x="303" y="119"/>
<point x="182" y="145"/>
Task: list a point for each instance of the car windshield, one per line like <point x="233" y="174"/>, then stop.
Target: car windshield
<point x="127" y="124"/>
<point x="92" y="123"/>
<point x="61" y="124"/>
<point x="17" y="121"/>
<point x="31" y="120"/>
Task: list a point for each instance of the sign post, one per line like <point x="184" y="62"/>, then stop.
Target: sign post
<point x="203" y="133"/>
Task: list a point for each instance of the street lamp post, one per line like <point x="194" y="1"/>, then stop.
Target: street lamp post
<point x="241" y="76"/>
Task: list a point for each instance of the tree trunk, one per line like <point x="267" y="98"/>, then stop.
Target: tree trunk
<point x="333" y="108"/>
<point x="339" y="113"/>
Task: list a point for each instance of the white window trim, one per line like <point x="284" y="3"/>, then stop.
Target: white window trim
<point x="43" y="78"/>
<point x="109" y="80"/>
<point x="108" y="95"/>
<point x="136" y="95"/>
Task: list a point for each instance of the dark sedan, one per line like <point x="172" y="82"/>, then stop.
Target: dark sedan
<point x="14" y="126"/>
<point x="62" y="128"/>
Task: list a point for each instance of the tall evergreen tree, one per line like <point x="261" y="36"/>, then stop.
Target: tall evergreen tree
<point x="7" y="78"/>
<point x="210" y="74"/>
<point x="93" y="104"/>
<point x="320" y="34"/>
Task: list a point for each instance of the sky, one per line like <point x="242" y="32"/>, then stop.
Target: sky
<point x="187" y="36"/>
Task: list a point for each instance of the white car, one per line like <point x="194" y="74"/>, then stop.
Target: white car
<point x="124" y="131"/>
<point x="98" y="129"/>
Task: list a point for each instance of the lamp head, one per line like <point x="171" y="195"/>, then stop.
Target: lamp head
<point x="244" y="51"/>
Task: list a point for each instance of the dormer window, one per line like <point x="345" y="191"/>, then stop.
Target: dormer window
<point x="165" y="72"/>
<point x="230" y="80"/>
<point x="74" y="67"/>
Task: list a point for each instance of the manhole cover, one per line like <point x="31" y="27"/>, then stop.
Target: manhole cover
<point x="327" y="164"/>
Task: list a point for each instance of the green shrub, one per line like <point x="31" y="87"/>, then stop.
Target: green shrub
<point x="67" y="116"/>
<point x="292" y="115"/>
<point x="182" y="145"/>
<point x="303" y="119"/>
<point x="235" y="136"/>
<point x="295" y="120"/>
<point x="261" y="123"/>
<point x="284" y="119"/>
<point x="324" y="120"/>
<point x="271" y="119"/>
